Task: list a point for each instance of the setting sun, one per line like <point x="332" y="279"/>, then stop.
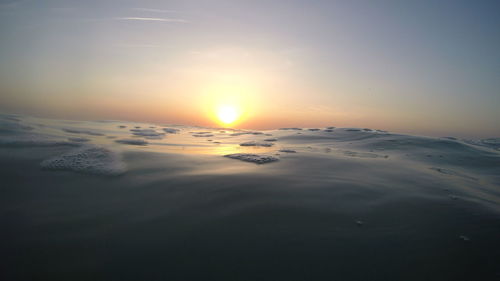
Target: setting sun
<point x="227" y="114"/>
<point x="270" y="140"/>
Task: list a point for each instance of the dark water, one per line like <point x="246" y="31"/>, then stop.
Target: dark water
<point x="343" y="214"/>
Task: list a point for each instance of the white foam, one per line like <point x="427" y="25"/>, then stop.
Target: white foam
<point x="87" y="132"/>
<point x="254" y="143"/>
<point x="254" y="158"/>
<point x="132" y="141"/>
<point x="464" y="238"/>
<point x="246" y="133"/>
<point x="490" y="143"/>
<point x="171" y="130"/>
<point x="89" y="160"/>
<point x="293" y="129"/>
<point x="147" y="133"/>
<point x="452" y="173"/>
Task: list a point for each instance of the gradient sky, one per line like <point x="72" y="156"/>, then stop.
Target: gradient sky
<point x="422" y="67"/>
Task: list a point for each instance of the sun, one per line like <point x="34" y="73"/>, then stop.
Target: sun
<point x="227" y="114"/>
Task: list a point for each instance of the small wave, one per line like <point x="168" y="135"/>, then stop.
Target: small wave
<point x="33" y="141"/>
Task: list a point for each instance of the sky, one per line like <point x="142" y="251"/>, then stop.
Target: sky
<point x="421" y="67"/>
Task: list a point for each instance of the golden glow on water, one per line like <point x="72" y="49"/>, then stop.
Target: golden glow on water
<point x="221" y="142"/>
<point x="209" y="149"/>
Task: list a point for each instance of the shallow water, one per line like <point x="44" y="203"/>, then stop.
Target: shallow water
<point x="349" y="204"/>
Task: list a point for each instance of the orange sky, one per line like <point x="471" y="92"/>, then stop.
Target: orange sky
<point x="298" y="65"/>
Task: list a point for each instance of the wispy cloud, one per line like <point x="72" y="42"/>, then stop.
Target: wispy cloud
<point x="152" y="19"/>
<point x="136" y="45"/>
<point x="155" y="10"/>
